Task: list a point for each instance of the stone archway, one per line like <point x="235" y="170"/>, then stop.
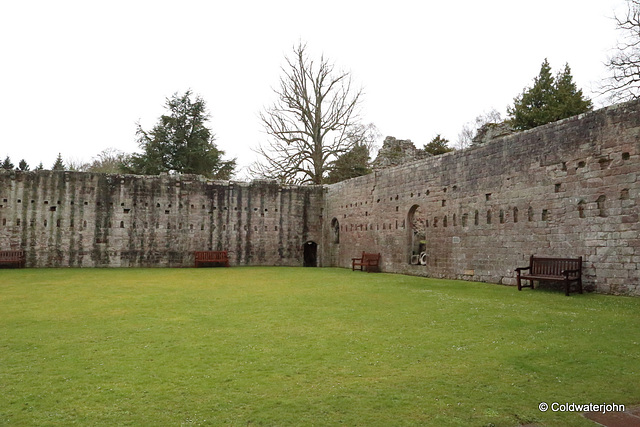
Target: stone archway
<point x="417" y="235"/>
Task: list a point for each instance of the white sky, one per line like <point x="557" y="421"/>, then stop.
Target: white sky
<point x="75" y="76"/>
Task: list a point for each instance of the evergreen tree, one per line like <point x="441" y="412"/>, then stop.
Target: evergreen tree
<point x="351" y="164"/>
<point x="437" y="146"/>
<point x="181" y="142"/>
<point x="7" y="164"/>
<point x="569" y="99"/>
<point x="39" y="167"/>
<point x="59" y="164"/>
<point x="23" y="165"/>
<point x="548" y="100"/>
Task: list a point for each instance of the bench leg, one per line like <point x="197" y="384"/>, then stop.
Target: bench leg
<point x="519" y="283"/>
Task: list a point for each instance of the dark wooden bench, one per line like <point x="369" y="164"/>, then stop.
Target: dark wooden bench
<point x="565" y="270"/>
<point x="204" y="258"/>
<point x="367" y="262"/>
<point x="12" y="258"/>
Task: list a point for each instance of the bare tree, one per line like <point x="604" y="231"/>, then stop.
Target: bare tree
<point x="624" y="65"/>
<point x="367" y="135"/>
<point x="470" y="129"/>
<point x="109" y="160"/>
<point x="75" y="164"/>
<point x="465" y="136"/>
<point x="311" y="123"/>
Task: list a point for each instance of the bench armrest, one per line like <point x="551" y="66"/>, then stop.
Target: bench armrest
<point x="519" y="269"/>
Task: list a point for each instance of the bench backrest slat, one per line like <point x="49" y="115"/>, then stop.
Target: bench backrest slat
<point x="553" y="266"/>
<point x="210" y="255"/>
<point x="10" y="255"/>
<point x="370" y="257"/>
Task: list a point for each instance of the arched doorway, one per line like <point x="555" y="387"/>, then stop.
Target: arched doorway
<point x="335" y="231"/>
<point x="417" y="244"/>
<point x="310" y="254"/>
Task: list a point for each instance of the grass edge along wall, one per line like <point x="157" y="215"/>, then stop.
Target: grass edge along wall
<point x="565" y="189"/>
<point x="76" y="219"/>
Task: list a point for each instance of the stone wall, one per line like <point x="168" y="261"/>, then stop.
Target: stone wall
<point x="395" y="152"/>
<point x="69" y="219"/>
<point x="565" y="189"/>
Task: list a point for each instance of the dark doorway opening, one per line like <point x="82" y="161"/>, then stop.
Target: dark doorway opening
<point x="310" y="254"/>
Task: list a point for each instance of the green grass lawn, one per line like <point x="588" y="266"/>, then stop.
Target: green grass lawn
<point x="295" y="346"/>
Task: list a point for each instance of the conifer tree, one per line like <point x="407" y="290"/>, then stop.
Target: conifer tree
<point x="181" y="142"/>
<point x="438" y="145"/>
<point x="548" y="100"/>
<point x="59" y="164"/>
<point x="7" y="164"/>
<point x="351" y="164"/>
<point x="569" y="99"/>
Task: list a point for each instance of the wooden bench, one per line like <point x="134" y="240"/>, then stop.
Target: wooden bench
<point x="566" y="270"/>
<point x="367" y="262"/>
<point x="12" y="258"/>
<point x="203" y="258"/>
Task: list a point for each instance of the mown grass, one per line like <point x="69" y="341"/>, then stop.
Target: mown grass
<point x="295" y="346"/>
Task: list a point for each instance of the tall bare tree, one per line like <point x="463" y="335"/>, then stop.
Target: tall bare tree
<point x="624" y="65"/>
<point x="311" y="124"/>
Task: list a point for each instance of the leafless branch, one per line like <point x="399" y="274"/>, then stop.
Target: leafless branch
<point x="309" y="124"/>
<point x="624" y="65"/>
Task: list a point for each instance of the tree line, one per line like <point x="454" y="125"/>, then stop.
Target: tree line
<point x="315" y="132"/>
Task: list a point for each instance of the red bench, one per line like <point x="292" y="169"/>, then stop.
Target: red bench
<point x="203" y="258"/>
<point x="367" y="262"/>
<point x="565" y="270"/>
<point x="12" y="258"/>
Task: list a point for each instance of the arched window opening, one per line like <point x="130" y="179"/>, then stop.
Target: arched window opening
<point x="417" y="220"/>
<point x="335" y="231"/>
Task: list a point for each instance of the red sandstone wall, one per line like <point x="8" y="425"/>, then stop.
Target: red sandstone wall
<point x="565" y="189"/>
<point x="69" y="219"/>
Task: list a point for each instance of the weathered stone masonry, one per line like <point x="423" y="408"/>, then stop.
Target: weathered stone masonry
<point x="69" y="219"/>
<point x="569" y="188"/>
<point x="565" y="189"/>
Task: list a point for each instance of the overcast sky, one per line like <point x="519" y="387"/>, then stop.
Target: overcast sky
<point x="76" y="76"/>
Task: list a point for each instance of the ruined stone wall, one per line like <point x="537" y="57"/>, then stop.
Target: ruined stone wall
<point x="569" y="188"/>
<point x="72" y="219"/>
